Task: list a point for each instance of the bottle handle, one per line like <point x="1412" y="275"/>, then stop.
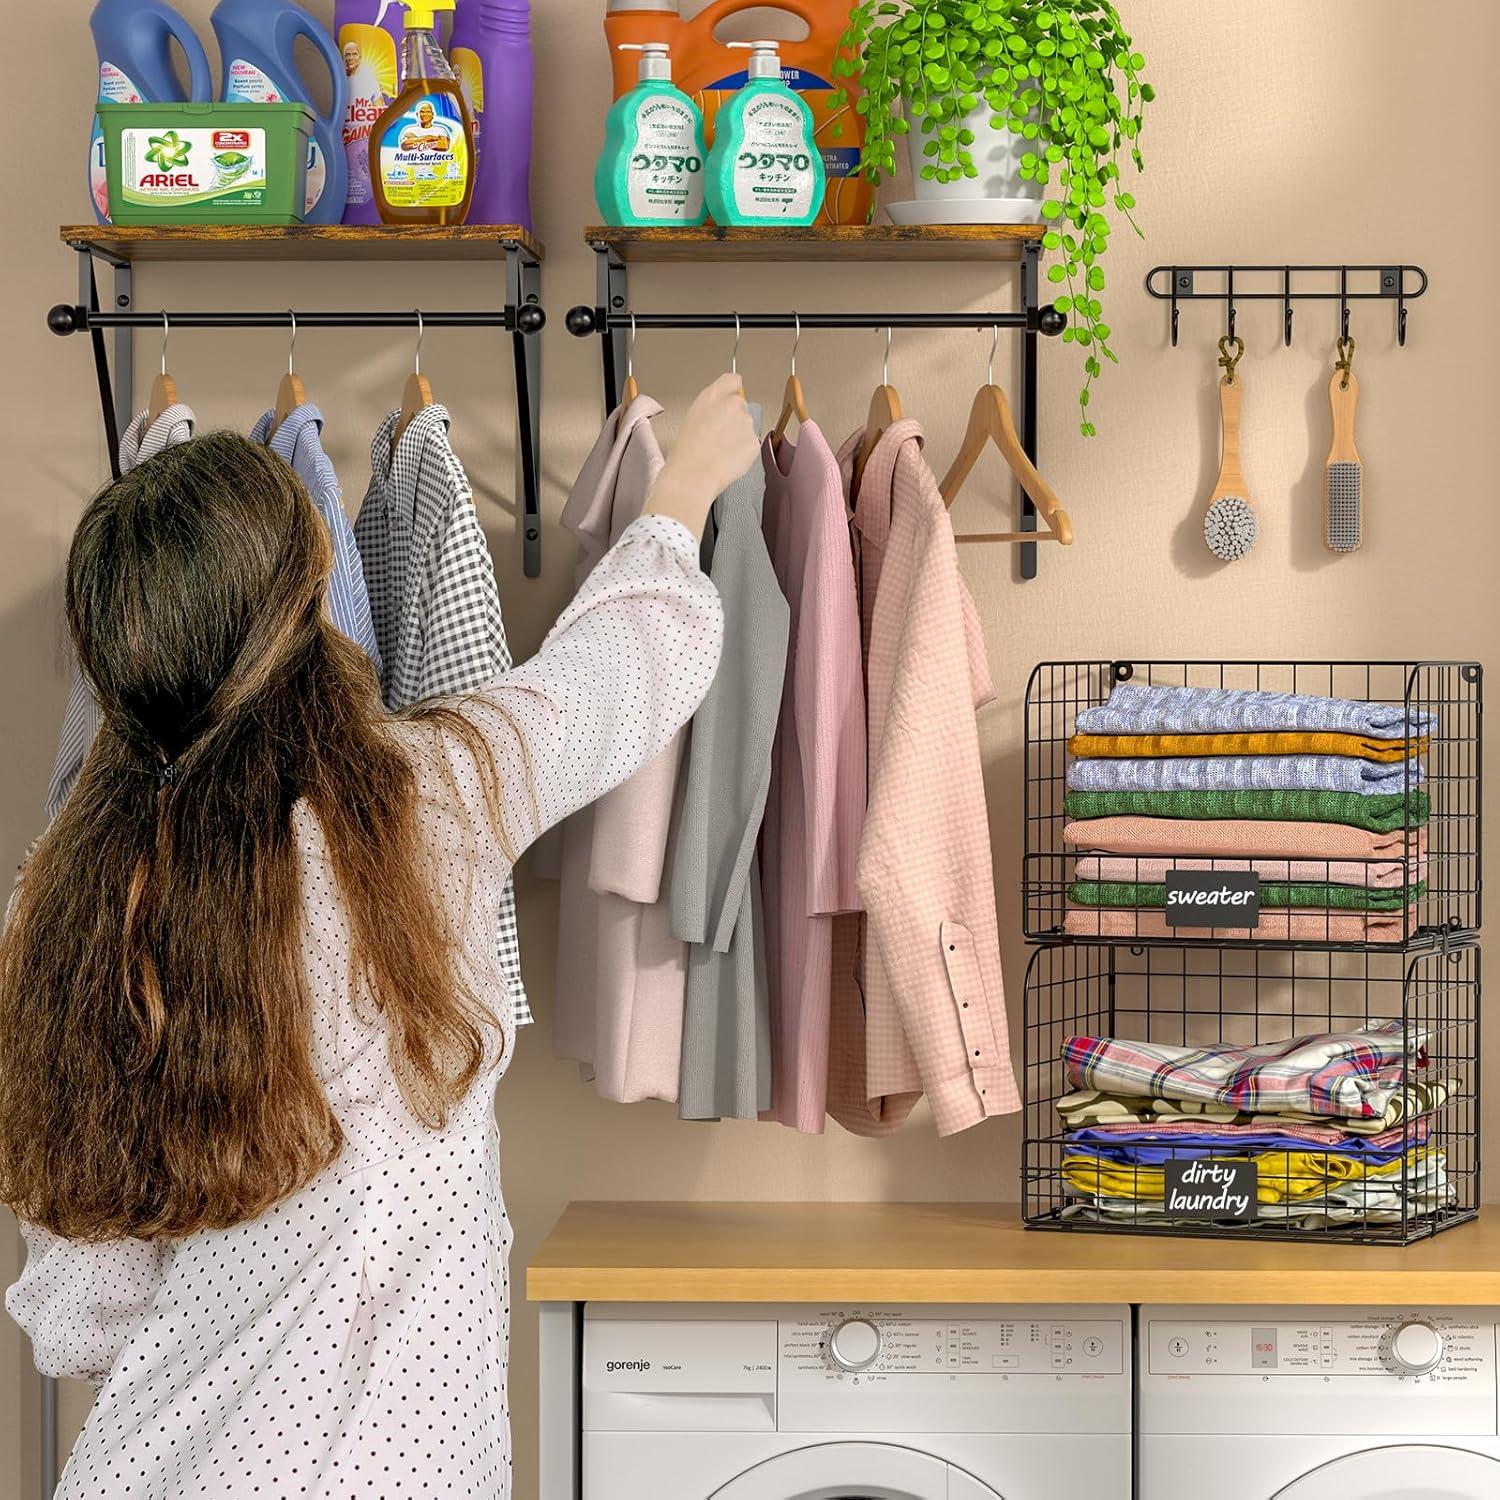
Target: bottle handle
<point x="333" y="58"/>
<point x="721" y="10"/>
<point x="200" y="77"/>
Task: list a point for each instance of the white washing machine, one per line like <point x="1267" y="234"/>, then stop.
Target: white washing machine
<point x="803" y="1402"/>
<point x="1309" y="1403"/>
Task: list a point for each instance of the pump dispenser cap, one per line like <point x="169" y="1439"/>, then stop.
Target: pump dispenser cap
<point x="656" y="60"/>
<point x="765" y="58"/>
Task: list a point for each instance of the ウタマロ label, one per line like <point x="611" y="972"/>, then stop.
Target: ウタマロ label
<point x="773" y="172"/>
<point x="244" y="81"/>
<point x="176" y="168"/>
<point x="666" y="170"/>
<point x="424" y="155"/>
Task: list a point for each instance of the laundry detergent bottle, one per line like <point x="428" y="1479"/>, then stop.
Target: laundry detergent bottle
<point x="134" y="42"/>
<point x="490" y="51"/>
<point x="369" y="37"/>
<point x="765" y="167"/>
<point x="651" y="168"/>
<point x="422" y="147"/>
<point x="257" y="41"/>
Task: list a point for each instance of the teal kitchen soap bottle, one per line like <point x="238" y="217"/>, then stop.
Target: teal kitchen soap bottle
<point x="651" y="168"/>
<point x="765" y="167"/>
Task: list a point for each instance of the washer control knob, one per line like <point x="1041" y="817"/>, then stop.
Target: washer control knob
<point x="1416" y="1348"/>
<point x="854" y="1344"/>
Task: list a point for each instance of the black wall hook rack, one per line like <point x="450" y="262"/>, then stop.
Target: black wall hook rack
<point x="522" y="315"/>
<point x="613" y="320"/>
<point x="1287" y="284"/>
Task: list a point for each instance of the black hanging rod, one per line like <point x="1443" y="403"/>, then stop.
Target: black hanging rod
<point x="65" y="319"/>
<point x="583" y="321"/>
<point x="1177" y="284"/>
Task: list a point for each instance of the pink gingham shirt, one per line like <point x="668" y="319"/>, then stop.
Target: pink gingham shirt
<point x="934" y="1001"/>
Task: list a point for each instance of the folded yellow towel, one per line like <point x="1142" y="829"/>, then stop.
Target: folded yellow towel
<point x="1284" y="742"/>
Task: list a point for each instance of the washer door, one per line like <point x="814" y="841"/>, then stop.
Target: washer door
<point x="855" y="1471"/>
<point x="1417" y="1472"/>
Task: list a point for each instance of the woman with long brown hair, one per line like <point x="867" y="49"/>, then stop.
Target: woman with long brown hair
<point x="248" y="986"/>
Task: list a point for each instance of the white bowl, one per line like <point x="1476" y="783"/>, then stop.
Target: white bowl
<point x="966" y="211"/>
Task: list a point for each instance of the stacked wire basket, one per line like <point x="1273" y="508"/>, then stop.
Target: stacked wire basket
<point x="1242" y="990"/>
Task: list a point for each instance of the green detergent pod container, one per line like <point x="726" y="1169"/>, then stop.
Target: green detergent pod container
<point x="233" y="163"/>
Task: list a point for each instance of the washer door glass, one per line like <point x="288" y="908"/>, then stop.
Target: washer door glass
<point x="1418" y="1472"/>
<point x="855" y="1471"/>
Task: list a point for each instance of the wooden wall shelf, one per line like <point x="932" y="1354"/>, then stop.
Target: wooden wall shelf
<point x="841" y="242"/>
<point x="141" y="242"/>
<point x="862" y="1253"/>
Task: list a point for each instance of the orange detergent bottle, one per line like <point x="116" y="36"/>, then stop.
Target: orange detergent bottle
<point x="710" y="72"/>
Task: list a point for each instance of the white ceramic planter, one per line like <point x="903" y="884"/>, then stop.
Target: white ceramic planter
<point x="996" y="196"/>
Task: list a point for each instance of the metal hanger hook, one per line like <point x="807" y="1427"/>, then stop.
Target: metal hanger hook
<point x="796" y="340"/>
<point x="994" y="345"/>
<point x="734" y="358"/>
<point x="166" y="333"/>
<point x="416" y="364"/>
<point x="292" y="347"/>
<point x="885" y="367"/>
<point x="630" y="351"/>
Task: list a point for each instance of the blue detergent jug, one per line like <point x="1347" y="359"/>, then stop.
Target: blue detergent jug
<point x="134" y="41"/>
<point x="257" y="42"/>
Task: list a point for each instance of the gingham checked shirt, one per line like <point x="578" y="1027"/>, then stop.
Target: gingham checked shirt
<point x="433" y="596"/>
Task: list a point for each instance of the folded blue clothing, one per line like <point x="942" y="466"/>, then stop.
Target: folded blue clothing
<point x="1243" y="773"/>
<point x="1135" y="708"/>
<point x="1110" y="1146"/>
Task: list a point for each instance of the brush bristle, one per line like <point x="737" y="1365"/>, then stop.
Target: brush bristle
<point x="1343" y="507"/>
<point x="1230" y="528"/>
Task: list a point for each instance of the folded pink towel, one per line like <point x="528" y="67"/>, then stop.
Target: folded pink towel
<point x="1277" y="924"/>
<point x="1152" y="868"/>
<point x="1247" y="838"/>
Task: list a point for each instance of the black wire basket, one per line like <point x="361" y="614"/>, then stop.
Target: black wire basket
<point x="1413" y="1179"/>
<point x="1420" y="868"/>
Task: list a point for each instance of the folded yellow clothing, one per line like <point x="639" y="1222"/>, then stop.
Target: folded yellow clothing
<point x="1283" y="1176"/>
<point x="1283" y="742"/>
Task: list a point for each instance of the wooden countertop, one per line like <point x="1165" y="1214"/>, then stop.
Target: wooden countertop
<point x="972" y="1252"/>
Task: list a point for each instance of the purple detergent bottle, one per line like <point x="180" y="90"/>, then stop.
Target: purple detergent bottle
<point x="369" y="34"/>
<point x="491" y="53"/>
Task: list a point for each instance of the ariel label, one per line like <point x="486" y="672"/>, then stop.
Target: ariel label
<point x="114" y="88"/>
<point x="773" y="175"/>
<point x="424" y="156"/>
<point x="370" y="63"/>
<point x="666" y="169"/>
<point x="244" y="81"/>
<point x="174" y="168"/>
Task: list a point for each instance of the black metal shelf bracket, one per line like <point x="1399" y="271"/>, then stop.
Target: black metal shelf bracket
<point x="522" y="315"/>
<point x="614" y="321"/>
<point x="1177" y="284"/>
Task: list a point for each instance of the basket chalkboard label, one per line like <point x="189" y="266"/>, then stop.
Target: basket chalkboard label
<point x="1212" y="898"/>
<point x="1209" y="1189"/>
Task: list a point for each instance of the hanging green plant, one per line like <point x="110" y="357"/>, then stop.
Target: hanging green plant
<point x="1063" y="74"/>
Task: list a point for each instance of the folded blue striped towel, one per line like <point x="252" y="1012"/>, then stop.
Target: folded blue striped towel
<point x="1245" y="773"/>
<point x="1135" y="708"/>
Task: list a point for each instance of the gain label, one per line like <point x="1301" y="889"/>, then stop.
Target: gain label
<point x="773" y="173"/>
<point x="666" y="170"/>
<point x="424" y="155"/>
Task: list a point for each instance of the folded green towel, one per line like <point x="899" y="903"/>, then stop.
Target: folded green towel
<point x="1382" y="813"/>
<point x="1314" y="894"/>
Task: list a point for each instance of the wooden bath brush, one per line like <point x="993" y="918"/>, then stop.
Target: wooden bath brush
<point x="1230" y="527"/>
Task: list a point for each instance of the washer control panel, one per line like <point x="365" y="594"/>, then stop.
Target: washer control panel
<point x="1436" y="1346"/>
<point x="875" y="1343"/>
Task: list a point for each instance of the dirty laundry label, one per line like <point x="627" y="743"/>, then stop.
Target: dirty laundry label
<point x="114" y="88"/>
<point x="1207" y="1189"/>
<point x="176" y="168"/>
<point x="244" y="81"/>
<point x="1212" y="898"/>
<point x="666" y="171"/>
<point x="773" y="176"/>
<point x="424" y="156"/>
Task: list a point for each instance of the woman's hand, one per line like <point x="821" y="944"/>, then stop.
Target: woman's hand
<point x="716" y="446"/>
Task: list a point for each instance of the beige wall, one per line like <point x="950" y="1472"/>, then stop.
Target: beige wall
<point x="1283" y="131"/>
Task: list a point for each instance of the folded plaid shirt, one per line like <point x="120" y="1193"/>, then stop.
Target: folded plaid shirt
<point x="1340" y="1074"/>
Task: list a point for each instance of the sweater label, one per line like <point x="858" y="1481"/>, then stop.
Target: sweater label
<point x="1212" y="898"/>
<point x="666" y="171"/>
<point x="1207" y="1188"/>
<point x="773" y="173"/>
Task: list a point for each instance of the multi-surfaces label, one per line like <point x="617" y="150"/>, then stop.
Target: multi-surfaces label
<point x="424" y="155"/>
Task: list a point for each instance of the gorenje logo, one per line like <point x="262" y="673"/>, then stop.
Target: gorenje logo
<point x="639" y="1365"/>
<point x="1212" y="898"/>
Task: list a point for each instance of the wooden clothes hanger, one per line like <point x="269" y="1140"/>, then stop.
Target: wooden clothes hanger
<point x="416" y="395"/>
<point x="291" y="393"/>
<point x="885" y="410"/>
<point x="794" y="403"/>
<point x="990" y="421"/>
<point x="163" y="387"/>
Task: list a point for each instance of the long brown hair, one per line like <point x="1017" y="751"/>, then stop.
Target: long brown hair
<point x="156" y="1072"/>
